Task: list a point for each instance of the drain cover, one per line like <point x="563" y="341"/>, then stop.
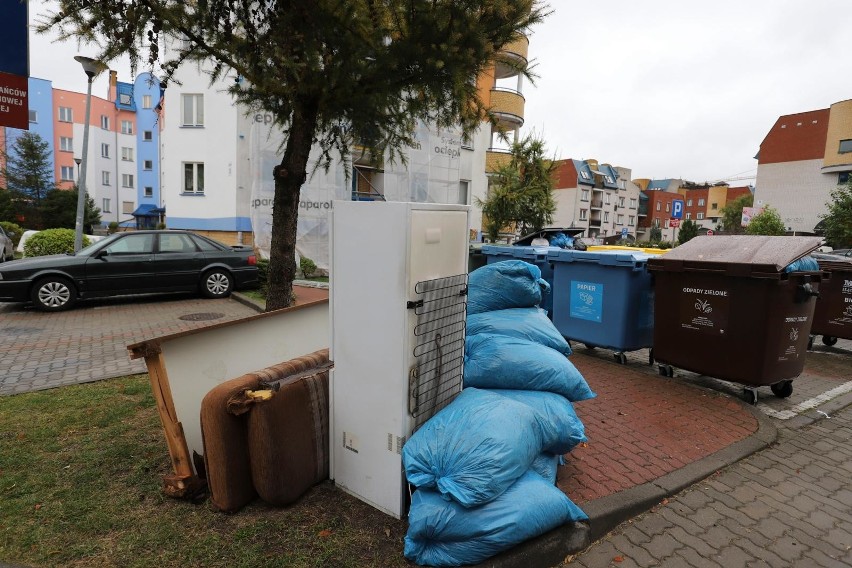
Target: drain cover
<point x="204" y="316"/>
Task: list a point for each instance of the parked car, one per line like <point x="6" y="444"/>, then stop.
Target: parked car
<point x="138" y="262"/>
<point x="7" y="249"/>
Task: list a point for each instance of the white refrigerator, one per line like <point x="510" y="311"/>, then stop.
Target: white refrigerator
<point x="398" y="295"/>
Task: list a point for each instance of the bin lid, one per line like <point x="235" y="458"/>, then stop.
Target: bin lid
<point x="605" y="257"/>
<point x="527" y="239"/>
<point x="738" y="254"/>
<point x="517" y="252"/>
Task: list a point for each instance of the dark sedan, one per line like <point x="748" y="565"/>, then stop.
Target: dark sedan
<point x="139" y="262"/>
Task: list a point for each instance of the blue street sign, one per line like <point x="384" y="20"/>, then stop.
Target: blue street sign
<point x="677" y="209"/>
<point x="624" y="232"/>
<point x="14" y="31"/>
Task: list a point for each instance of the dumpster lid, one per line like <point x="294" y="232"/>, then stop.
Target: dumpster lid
<point x="548" y="232"/>
<point x="603" y="257"/>
<point x="517" y="252"/>
<point x="737" y="253"/>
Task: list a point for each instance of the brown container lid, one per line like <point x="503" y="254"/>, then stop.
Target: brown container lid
<point x="736" y="254"/>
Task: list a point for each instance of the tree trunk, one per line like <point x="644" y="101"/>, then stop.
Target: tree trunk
<point x="289" y="177"/>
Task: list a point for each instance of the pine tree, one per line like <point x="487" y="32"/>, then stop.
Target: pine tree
<point x="28" y="170"/>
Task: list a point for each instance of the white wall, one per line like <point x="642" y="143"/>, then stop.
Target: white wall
<point x="797" y="190"/>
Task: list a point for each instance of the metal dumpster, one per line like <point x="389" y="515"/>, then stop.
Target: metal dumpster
<point x="833" y="313"/>
<point x="725" y="307"/>
<point x="604" y="299"/>
<point x="532" y="255"/>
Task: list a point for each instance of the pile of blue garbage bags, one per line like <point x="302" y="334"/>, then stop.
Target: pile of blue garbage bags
<point x="484" y="467"/>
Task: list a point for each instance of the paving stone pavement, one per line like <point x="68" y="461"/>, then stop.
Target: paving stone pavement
<point x="787" y="506"/>
<point x="41" y="350"/>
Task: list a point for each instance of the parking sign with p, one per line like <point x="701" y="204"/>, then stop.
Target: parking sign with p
<point x="677" y="209"/>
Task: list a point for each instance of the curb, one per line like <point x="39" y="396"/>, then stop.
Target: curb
<point x="246" y="301"/>
<point x="608" y="512"/>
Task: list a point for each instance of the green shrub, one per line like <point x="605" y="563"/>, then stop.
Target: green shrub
<point x="52" y="241"/>
<point x="263" y="274"/>
<point x="161" y="226"/>
<point x="307" y="266"/>
<point x="14" y="231"/>
<point x="112" y="227"/>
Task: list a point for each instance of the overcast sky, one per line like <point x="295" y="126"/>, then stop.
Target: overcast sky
<point x="669" y="88"/>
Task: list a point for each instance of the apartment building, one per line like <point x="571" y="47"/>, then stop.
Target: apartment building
<point x="801" y="160"/>
<point x="599" y="198"/>
<point x="703" y="204"/>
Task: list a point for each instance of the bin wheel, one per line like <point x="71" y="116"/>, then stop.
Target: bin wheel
<point x="621" y="358"/>
<point x="667" y="370"/>
<point x="750" y="396"/>
<point x="810" y="342"/>
<point x="829" y="340"/>
<point x="589" y="346"/>
<point x="782" y="389"/>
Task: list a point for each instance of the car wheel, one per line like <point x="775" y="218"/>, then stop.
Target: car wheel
<point x="53" y="294"/>
<point x="216" y="284"/>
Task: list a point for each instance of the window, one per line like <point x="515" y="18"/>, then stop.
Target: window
<point x="132" y="244"/>
<point x="631" y="220"/>
<point x="105" y="178"/>
<point x="668" y="207"/>
<point x="146" y="101"/>
<point x="192" y="110"/>
<point x="845" y="147"/>
<point x="606" y="217"/>
<point x="33" y="116"/>
<point x="148" y="165"/>
<point x="584" y="174"/>
<point x="105" y="205"/>
<point x="149" y="191"/>
<point x="127" y="154"/>
<point x="583" y="214"/>
<point x="606" y="198"/>
<point x="147" y="136"/>
<point x="689" y="203"/>
<point x="619" y="220"/>
<point x="126" y="180"/>
<point x="124" y="99"/>
<point x="127" y="207"/>
<point x="66" y="144"/>
<point x="609" y="179"/>
<point x="714" y="206"/>
<point x="633" y="204"/>
<point x="699" y="216"/>
<point x="584" y="196"/>
<point x="842" y="178"/>
<point x="193" y="177"/>
<point x="204" y="244"/>
<point x="65" y="114"/>
<point x="104" y="122"/>
<point x="463" y="191"/>
<point x="104" y="150"/>
<point x="658" y="205"/>
<point x="701" y="202"/>
<point x="621" y="202"/>
<point x="688" y="215"/>
<point x="66" y="173"/>
<point x="176" y="243"/>
<point x="126" y="127"/>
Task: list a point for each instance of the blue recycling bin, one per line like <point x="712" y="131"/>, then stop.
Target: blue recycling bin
<point x="532" y="255"/>
<point x="604" y="299"/>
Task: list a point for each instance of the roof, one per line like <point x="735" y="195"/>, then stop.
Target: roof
<point x="148" y="210"/>
<point x="124" y="96"/>
<point x="796" y="137"/>
<point x="565" y="174"/>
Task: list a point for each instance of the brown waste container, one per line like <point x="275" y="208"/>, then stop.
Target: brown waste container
<point x="833" y="313"/>
<point x="725" y="307"/>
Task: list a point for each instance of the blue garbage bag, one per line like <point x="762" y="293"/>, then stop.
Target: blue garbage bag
<point x="561" y="428"/>
<point x="503" y="362"/>
<point x="505" y="284"/>
<point x="804" y="264"/>
<point x="442" y="533"/>
<point x="546" y="465"/>
<point x="561" y="240"/>
<point x="474" y="448"/>
<point x="531" y="324"/>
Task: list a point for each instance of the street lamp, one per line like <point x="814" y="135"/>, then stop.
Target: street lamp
<point x="91" y="67"/>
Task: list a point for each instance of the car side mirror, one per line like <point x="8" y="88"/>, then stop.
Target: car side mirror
<point x="102" y="253"/>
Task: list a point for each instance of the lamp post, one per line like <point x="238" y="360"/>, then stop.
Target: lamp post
<point x="91" y="67"/>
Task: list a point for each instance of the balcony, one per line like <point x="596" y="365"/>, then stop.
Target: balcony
<point x="594" y="223"/>
<point x="508" y="106"/>
<point x="596" y="204"/>
<point x="512" y="56"/>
